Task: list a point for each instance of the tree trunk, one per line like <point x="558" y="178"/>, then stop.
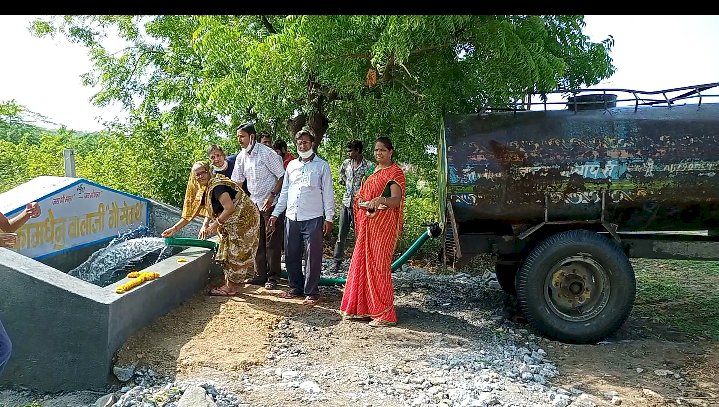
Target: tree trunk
<point x="317" y="123"/>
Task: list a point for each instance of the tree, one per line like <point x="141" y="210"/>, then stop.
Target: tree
<point x="348" y="76"/>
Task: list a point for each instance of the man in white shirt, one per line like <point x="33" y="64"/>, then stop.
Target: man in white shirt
<point x="308" y="197"/>
<point x="262" y="168"/>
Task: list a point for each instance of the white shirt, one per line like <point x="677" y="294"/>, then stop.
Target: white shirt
<point x="307" y="191"/>
<point x="261" y="167"/>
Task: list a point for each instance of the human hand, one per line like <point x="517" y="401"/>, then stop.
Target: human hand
<point x="203" y="232"/>
<point x="327" y="228"/>
<point x="268" y="203"/>
<point x="211" y="229"/>
<point x="33" y="209"/>
<point x="8" y="239"/>
<point x="169" y="231"/>
<point x="375" y="203"/>
<point x="271" y="224"/>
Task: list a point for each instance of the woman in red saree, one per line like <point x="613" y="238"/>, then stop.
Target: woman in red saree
<point x="378" y="209"/>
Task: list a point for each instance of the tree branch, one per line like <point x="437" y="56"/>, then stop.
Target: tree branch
<point x="268" y="25"/>
<point x="414" y="92"/>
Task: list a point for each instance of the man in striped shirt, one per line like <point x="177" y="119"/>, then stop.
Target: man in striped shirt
<point x="262" y="168"/>
<point x="353" y="172"/>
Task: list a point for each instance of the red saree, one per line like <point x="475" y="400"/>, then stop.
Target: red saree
<point x="368" y="291"/>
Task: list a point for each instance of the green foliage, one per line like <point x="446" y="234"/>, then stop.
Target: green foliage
<point x="368" y="75"/>
<point x="187" y="81"/>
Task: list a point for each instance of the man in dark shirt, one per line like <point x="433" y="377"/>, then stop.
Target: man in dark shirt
<point x="281" y="147"/>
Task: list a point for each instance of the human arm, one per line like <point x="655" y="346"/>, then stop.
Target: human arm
<point x="228" y="208"/>
<point x="274" y="164"/>
<point x="204" y="229"/>
<point x="175" y="228"/>
<point x="343" y="175"/>
<point x="32" y="210"/>
<point x="281" y="203"/>
<point x="238" y="173"/>
<point x="328" y="199"/>
<point x="392" y="201"/>
<point x="276" y="189"/>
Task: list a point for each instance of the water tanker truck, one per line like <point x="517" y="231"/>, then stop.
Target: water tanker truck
<point x="563" y="198"/>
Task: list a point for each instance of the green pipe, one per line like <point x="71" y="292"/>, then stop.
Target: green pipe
<point x="326" y="281"/>
<point x="433" y="230"/>
<point x="409" y="252"/>
<point x="187" y="241"/>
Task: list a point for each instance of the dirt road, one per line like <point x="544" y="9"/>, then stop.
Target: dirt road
<point x="252" y="341"/>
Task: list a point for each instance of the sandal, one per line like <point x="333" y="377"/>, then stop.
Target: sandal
<point x="221" y="291"/>
<point x="289" y="295"/>
<point x="375" y="323"/>
<point x="311" y="301"/>
<point x="271" y="284"/>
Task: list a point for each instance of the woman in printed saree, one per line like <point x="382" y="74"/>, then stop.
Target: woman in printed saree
<point x="378" y="209"/>
<point x="232" y="216"/>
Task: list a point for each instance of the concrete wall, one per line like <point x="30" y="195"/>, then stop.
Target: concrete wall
<point x="65" y="331"/>
<point x="68" y="261"/>
<point x="163" y="216"/>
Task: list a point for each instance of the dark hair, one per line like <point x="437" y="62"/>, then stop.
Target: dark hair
<point x="355" y="145"/>
<point x="264" y="134"/>
<point x="386" y="141"/>
<point x="279" y="144"/>
<point x="249" y="128"/>
<point x="214" y="147"/>
<point x="388" y="144"/>
<point x="305" y="132"/>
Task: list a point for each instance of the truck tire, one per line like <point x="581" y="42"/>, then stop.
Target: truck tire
<point x="576" y="286"/>
<point x="506" y="274"/>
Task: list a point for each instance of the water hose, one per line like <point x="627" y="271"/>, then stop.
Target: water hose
<point x="433" y="230"/>
<point x="190" y="242"/>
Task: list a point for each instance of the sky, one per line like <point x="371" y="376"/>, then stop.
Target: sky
<point x="650" y="53"/>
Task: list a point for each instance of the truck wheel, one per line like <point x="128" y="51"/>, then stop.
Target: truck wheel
<point x="505" y="277"/>
<point x="576" y="286"/>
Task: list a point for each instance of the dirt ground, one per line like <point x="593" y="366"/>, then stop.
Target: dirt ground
<point x="643" y="365"/>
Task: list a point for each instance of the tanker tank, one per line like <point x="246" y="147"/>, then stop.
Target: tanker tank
<point x="653" y="169"/>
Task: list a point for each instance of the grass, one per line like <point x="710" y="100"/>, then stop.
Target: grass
<point x="672" y="295"/>
<point x="681" y="295"/>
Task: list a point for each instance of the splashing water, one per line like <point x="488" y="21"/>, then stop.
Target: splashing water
<point x="110" y="263"/>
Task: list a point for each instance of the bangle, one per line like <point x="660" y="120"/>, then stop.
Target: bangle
<point x="218" y="221"/>
<point x="385" y="200"/>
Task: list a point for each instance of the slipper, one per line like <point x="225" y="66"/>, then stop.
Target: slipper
<point x="375" y="323"/>
<point x="311" y="301"/>
<point x="221" y="292"/>
<point x="289" y="295"/>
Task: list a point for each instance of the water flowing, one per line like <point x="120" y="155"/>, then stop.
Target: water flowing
<point x="113" y="262"/>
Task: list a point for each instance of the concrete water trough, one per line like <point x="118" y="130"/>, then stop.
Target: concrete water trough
<point x="65" y="331"/>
